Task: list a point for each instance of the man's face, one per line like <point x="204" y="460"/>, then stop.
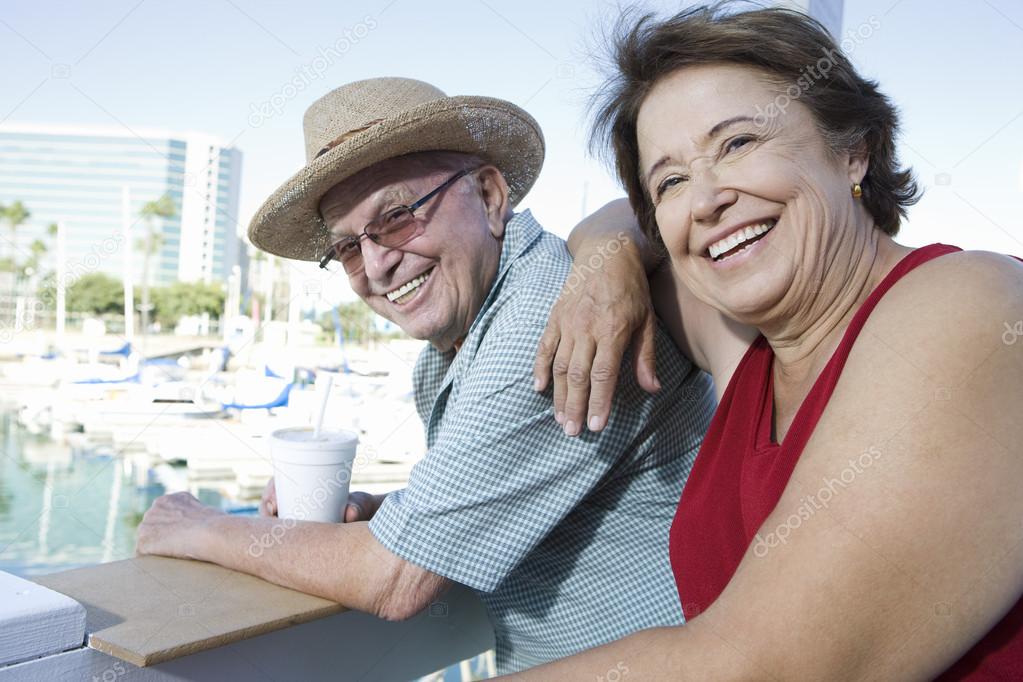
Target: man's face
<point x="434" y="285"/>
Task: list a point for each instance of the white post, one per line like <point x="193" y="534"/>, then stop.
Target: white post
<point x="61" y="284"/>
<point x="19" y="313"/>
<point x="114" y="501"/>
<point x="296" y="299"/>
<point x="44" y="518"/>
<point x="225" y="314"/>
<point x="129" y="291"/>
<point x="268" y="287"/>
<point x="236" y="291"/>
<point x="232" y="303"/>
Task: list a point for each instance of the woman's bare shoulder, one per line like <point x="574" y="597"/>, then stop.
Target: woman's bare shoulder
<point x="908" y="488"/>
<point x="944" y="334"/>
<point x="964" y="297"/>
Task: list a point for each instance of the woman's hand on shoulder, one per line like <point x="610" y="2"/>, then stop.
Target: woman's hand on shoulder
<point x="604" y="307"/>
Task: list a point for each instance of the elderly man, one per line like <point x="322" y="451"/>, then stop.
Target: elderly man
<point x="411" y="193"/>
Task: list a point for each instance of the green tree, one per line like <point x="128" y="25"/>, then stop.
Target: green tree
<point x="38" y="248"/>
<point x="358" y="322"/>
<point x="14" y="215"/>
<point x="46" y="284"/>
<point x="188" y="298"/>
<point x="160" y="208"/>
<point x="97" y="293"/>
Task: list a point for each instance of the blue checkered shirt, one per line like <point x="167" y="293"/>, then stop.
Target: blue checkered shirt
<point x="565" y="539"/>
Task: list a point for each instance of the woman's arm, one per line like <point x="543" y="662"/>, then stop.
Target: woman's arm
<point x="609" y="222"/>
<point x="605" y="306"/>
<point x="898" y="541"/>
<point x="713" y="342"/>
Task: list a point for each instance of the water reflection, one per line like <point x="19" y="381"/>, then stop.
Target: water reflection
<point x="61" y="508"/>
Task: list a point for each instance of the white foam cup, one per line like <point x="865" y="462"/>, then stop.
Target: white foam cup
<point x="312" y="475"/>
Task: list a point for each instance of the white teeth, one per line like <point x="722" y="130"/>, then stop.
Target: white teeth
<point x="407" y="287"/>
<point x="743" y="234"/>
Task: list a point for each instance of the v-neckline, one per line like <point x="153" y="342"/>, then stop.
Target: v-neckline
<point x="765" y="441"/>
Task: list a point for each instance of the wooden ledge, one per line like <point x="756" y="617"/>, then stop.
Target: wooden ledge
<point x="151" y="609"/>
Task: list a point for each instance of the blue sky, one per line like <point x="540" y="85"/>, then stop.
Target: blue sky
<point x="956" y="74"/>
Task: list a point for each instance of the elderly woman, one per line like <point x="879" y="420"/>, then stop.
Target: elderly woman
<point x="855" y="510"/>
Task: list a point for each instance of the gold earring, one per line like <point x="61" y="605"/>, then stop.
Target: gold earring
<point x="857" y="191"/>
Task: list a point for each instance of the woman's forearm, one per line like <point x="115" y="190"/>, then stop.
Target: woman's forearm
<point x="666" y="654"/>
<point x="614" y="221"/>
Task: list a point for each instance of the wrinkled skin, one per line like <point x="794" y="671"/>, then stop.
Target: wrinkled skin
<point x="753" y="169"/>
<point x="460" y="246"/>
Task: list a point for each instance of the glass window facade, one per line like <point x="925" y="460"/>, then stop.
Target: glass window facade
<point x="78" y="178"/>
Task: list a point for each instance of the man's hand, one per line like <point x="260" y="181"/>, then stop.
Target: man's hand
<point x="307" y="556"/>
<point x="174" y="526"/>
<point x="268" y="503"/>
<point x="603" y="308"/>
<point x="361" y="506"/>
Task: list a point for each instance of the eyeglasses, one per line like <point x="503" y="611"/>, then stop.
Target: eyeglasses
<point x="391" y="229"/>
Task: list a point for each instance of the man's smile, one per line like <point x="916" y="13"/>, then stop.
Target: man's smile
<point x="406" y="291"/>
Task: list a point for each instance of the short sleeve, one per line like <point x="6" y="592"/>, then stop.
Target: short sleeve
<point x="501" y="474"/>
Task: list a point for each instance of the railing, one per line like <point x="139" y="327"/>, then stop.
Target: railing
<point x="152" y="618"/>
<point x="33" y="319"/>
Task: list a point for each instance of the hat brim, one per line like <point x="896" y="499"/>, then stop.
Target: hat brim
<point x="289" y="224"/>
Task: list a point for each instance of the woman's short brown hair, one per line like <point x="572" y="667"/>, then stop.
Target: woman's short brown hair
<point x="789" y="47"/>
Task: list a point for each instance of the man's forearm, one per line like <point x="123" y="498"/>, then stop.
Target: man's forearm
<point x="340" y="562"/>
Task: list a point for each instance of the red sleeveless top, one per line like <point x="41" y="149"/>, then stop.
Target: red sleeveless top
<point x="739" y="476"/>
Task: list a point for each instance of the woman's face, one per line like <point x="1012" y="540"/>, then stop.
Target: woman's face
<point x="748" y="205"/>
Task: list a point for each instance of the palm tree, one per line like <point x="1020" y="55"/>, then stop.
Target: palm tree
<point x="15" y="216"/>
<point x="161" y="208"/>
<point x="38" y="248"/>
<point x="4" y="264"/>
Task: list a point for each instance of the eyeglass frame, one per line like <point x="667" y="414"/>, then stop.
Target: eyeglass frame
<point x="410" y="208"/>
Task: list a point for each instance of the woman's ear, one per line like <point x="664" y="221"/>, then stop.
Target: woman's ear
<point x="494" y="192"/>
<point x="859" y="163"/>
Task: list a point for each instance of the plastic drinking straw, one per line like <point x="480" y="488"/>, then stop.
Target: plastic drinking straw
<point x="323" y="405"/>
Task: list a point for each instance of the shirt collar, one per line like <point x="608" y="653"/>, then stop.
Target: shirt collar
<point x="519" y="234"/>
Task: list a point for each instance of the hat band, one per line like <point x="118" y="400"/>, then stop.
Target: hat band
<point x="343" y="137"/>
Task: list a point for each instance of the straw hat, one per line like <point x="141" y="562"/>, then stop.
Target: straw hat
<point x="365" y="122"/>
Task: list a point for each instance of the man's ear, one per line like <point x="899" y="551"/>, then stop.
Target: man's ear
<point x="494" y="192"/>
